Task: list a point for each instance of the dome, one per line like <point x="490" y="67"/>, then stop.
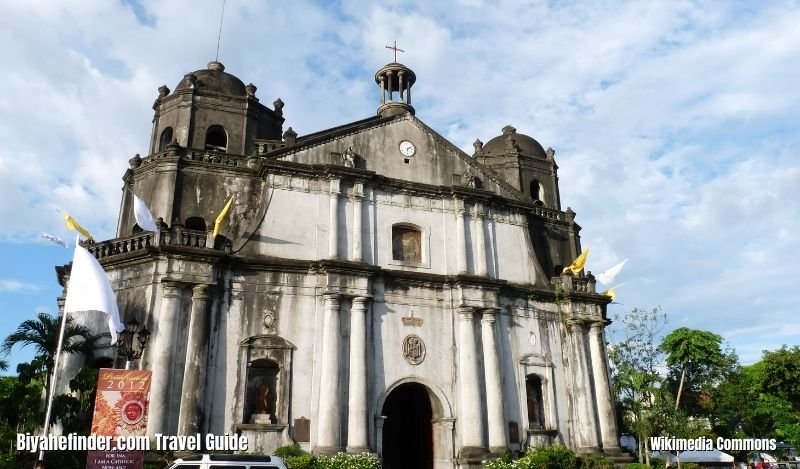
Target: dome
<point x="214" y="80"/>
<point x="528" y="146"/>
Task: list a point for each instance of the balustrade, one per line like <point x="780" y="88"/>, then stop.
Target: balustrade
<point x="140" y="241"/>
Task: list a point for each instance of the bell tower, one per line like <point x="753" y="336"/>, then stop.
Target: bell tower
<point x="395" y="78"/>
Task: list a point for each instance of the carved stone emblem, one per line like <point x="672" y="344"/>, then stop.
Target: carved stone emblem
<point x="412" y="321"/>
<point x="413" y="349"/>
<point x="269" y="320"/>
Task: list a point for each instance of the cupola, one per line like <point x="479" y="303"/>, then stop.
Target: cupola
<point x="395" y="78"/>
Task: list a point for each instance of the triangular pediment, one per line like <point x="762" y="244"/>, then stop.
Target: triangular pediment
<point x="398" y="147"/>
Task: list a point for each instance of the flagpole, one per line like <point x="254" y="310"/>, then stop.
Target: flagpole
<point x="54" y="377"/>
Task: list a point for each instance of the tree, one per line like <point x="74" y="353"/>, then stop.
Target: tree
<point x="635" y="361"/>
<point x="43" y="333"/>
<point x="782" y="374"/>
<point x="693" y="350"/>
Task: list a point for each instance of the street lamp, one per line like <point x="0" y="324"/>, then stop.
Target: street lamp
<point x="126" y="346"/>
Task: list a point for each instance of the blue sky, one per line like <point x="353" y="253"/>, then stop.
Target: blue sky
<point x="675" y="124"/>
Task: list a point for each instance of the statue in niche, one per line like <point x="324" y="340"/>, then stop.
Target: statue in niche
<point x="262" y="399"/>
<point x="348" y="158"/>
<point x="533" y="385"/>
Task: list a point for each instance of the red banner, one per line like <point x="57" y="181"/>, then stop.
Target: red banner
<point x="120" y="411"/>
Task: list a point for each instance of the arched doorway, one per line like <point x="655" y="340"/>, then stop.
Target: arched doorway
<point x="408" y="428"/>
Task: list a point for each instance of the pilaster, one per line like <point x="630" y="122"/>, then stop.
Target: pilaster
<point x="358" y="197"/>
<point x="162" y="354"/>
<point x="461" y="242"/>
<point x="494" y="384"/>
<point x="586" y="423"/>
<point x="480" y="242"/>
<point x="357" y="393"/>
<point x="605" y="403"/>
<point x="328" y="429"/>
<point x="194" y="372"/>
<point x="333" y="233"/>
<point x="470" y="425"/>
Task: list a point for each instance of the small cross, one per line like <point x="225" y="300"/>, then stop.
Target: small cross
<point x="395" y="49"/>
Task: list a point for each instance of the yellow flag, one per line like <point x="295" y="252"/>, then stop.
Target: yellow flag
<point x="578" y="264"/>
<point x="221" y="216"/>
<point x="73" y="225"/>
<point x="612" y="292"/>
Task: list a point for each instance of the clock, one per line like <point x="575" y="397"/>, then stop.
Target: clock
<point x="407" y="148"/>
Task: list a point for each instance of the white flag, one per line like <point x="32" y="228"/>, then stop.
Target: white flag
<point x="607" y="277"/>
<point x="143" y="216"/>
<point x="54" y="239"/>
<point x="90" y="290"/>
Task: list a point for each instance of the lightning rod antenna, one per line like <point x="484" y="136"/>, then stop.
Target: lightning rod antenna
<point x="219" y="36"/>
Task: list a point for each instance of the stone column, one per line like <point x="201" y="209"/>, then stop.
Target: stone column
<point x="358" y="197"/>
<point x="328" y="429"/>
<point x="469" y="419"/>
<point x="400" y="83"/>
<point x="383" y="89"/>
<point x="161" y="205"/>
<point x="494" y="384"/>
<point x="161" y="357"/>
<point x="586" y="424"/>
<point x="357" y="392"/>
<point x="480" y="241"/>
<point x="194" y="373"/>
<point x="605" y="403"/>
<point x="333" y="225"/>
<point x="461" y="242"/>
<point x="389" y="76"/>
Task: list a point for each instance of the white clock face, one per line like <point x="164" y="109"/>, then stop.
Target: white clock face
<point x="407" y="148"/>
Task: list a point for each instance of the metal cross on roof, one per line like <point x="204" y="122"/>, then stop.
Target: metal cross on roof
<point x="395" y="49"/>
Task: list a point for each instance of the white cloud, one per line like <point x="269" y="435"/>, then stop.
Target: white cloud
<point x="16" y="286"/>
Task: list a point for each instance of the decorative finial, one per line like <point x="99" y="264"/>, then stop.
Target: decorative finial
<point x="290" y="136"/>
<point x="478" y="145"/>
<point x="216" y="66"/>
<point x="163" y="90"/>
<point x="395" y="49"/>
<point x="251" y="89"/>
<point x="278" y="104"/>
<point x="135" y="162"/>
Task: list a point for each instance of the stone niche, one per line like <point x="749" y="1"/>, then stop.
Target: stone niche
<point x="263" y="410"/>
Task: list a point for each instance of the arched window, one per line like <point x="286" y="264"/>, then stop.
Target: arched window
<point x="195" y="223"/>
<point x="406" y="243"/>
<point x="536" y="190"/>
<point x="166" y="139"/>
<point x="216" y="138"/>
<point x="261" y="392"/>
<point x="533" y="392"/>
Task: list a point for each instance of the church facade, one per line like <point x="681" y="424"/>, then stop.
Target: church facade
<point x="373" y="288"/>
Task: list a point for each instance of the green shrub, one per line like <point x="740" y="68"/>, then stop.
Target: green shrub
<point x="637" y="465"/>
<point x="303" y="461"/>
<point x="348" y="461"/>
<point x="551" y="457"/>
<point x="288" y="451"/>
